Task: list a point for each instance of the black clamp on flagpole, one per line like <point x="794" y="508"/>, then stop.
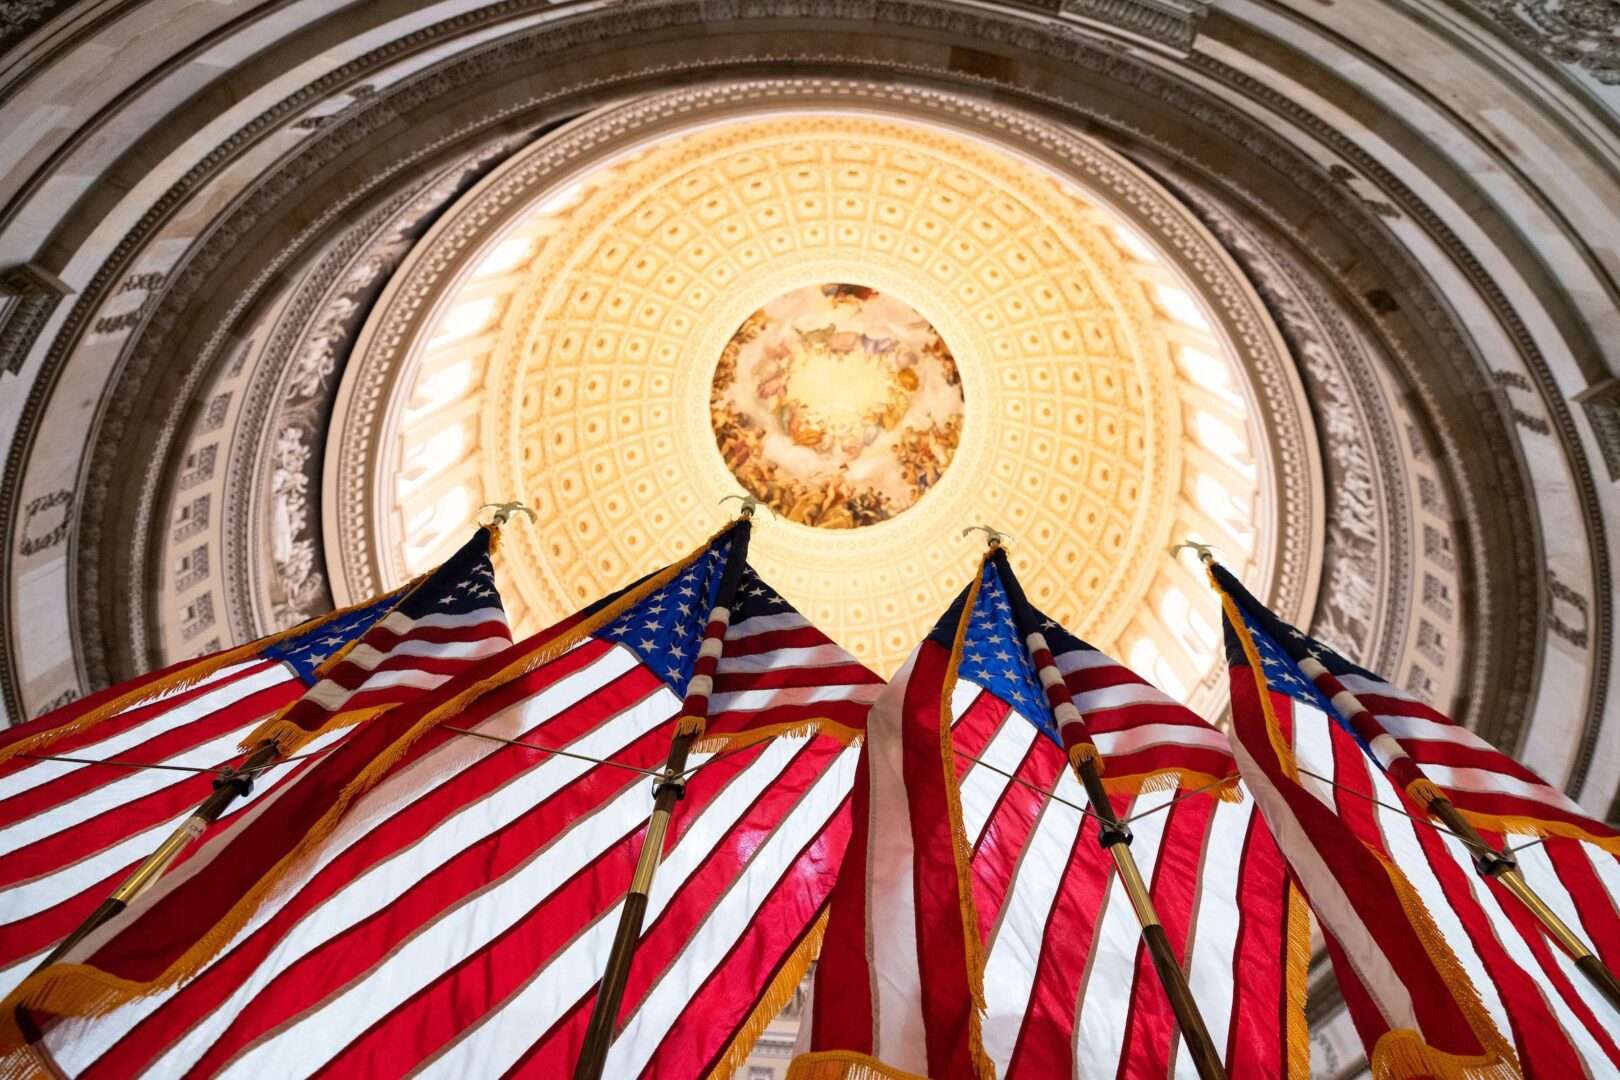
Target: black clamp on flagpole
<point x="239" y="782"/>
<point x="672" y="781"/>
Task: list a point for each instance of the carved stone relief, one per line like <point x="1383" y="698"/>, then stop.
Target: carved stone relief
<point x="1582" y="33"/>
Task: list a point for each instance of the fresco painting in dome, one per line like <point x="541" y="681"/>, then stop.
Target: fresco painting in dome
<point x="836" y="405"/>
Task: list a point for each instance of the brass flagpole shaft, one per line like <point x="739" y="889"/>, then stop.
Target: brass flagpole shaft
<point x="1491" y="863"/>
<point x="1115" y="838"/>
<point x="668" y="791"/>
<point x="228" y="788"/>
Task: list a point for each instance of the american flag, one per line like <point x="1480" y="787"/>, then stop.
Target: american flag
<point x="71" y="832"/>
<point x="1042" y="933"/>
<point x="1559" y="1023"/>
<point x="455" y="919"/>
<point x="439" y="628"/>
<point x="1412" y="999"/>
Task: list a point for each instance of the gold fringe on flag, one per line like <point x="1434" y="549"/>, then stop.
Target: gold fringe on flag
<point x="775" y="999"/>
<point x="1409" y="1051"/>
<point x="1082" y="752"/>
<point x="1224" y="788"/>
<point x="960" y="847"/>
<point x="1424" y="791"/>
<point x="1518" y="824"/>
<point x="793" y="729"/>
<point x="844" y="1065"/>
<point x="690" y="724"/>
<point x="1295" y="988"/>
<point x="82" y="990"/>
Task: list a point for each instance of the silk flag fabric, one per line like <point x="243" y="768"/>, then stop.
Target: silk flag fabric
<point x="1427" y="754"/>
<point x="1416" y="1009"/>
<point x="1559" y="1023"/>
<point x="438" y="629"/>
<point x="1015" y="900"/>
<point x="70" y="832"/>
<point x="459" y="910"/>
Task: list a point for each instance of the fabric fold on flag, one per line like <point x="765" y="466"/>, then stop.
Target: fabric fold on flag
<point x="72" y="831"/>
<point x="1068" y="987"/>
<point x="1428" y="754"/>
<point x="422" y="898"/>
<point x="1416" y="1009"/>
<point x="437" y="627"/>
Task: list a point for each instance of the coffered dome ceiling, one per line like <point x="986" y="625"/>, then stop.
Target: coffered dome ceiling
<point x="288" y="289"/>
<point x="558" y="338"/>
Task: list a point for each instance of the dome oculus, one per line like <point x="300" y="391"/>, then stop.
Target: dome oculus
<point x="836" y="405"/>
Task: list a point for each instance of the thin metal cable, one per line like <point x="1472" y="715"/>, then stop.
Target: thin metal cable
<point x="553" y="750"/>
<point x="216" y="769"/>
<point x="1430" y="822"/>
<point x="127" y="764"/>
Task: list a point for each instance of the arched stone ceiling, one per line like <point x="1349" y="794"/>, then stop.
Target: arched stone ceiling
<point x="200" y="202"/>
<point x="1122" y="386"/>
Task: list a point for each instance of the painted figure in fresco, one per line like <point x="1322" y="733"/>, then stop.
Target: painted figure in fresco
<point x="837" y="406"/>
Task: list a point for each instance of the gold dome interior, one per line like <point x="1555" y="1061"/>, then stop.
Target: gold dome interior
<point x="574" y="363"/>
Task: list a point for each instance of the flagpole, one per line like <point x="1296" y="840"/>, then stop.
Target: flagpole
<point x="1501" y="865"/>
<point x="1114" y="837"/>
<point x="667" y="792"/>
<point x="231" y="785"/>
<point x="1488" y="861"/>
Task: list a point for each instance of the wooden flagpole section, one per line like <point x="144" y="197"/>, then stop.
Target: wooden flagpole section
<point x="668" y="791"/>
<point x="1114" y="837"/>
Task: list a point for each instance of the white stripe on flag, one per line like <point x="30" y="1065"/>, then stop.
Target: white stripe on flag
<point x="1496" y="783"/>
<point x="766" y="624"/>
<point x="1361" y="685"/>
<point x="452" y="621"/>
<point x="1099" y="1035"/>
<point x="1132" y="739"/>
<point x="1082" y="660"/>
<point x="41" y="772"/>
<point x="810" y="656"/>
<point x="1215" y="929"/>
<point x="757" y="700"/>
<point x="1015" y="952"/>
<point x="983" y="784"/>
<point x="713" y="941"/>
<point x="1121" y="695"/>
<point x="898" y="1028"/>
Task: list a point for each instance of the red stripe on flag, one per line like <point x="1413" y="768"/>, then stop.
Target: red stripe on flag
<point x="1256" y="1037"/>
<point x="1045" y="1045"/>
<point x="1150" y="1029"/>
